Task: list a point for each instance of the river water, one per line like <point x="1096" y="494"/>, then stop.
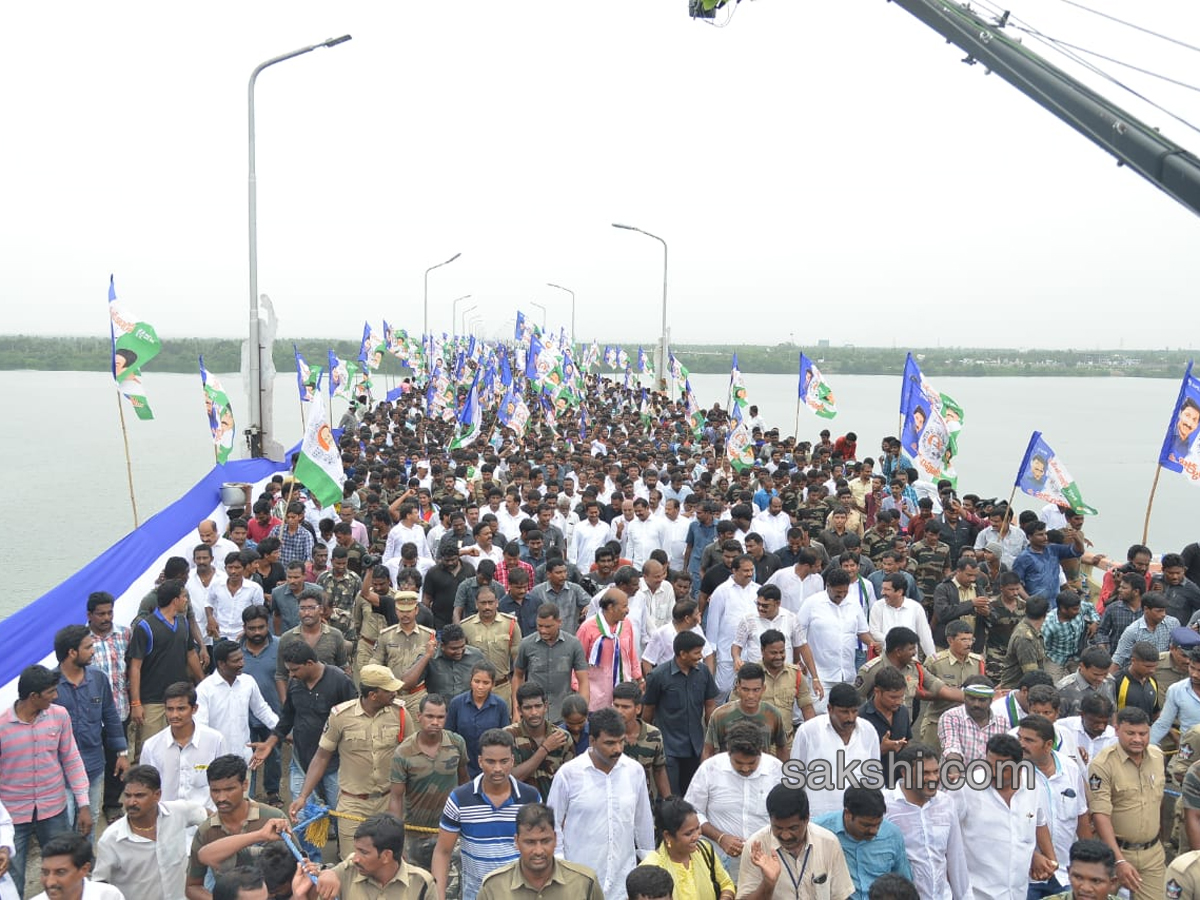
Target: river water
<point x="69" y="495"/>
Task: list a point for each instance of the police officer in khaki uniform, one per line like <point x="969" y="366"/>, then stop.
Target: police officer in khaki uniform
<point x="379" y="871"/>
<point x="374" y="610"/>
<point x="900" y="651"/>
<point x="952" y="667"/>
<point x="1183" y="877"/>
<point x="1126" y="781"/>
<point x="537" y="873"/>
<point x="402" y="645"/>
<point x="364" y="733"/>
<point x="784" y="685"/>
<point x="1182" y="763"/>
<point x="497" y="636"/>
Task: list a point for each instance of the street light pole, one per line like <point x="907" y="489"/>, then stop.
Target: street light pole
<point x="464" y="316"/>
<point x="254" y="432"/>
<point x="572" y="293"/>
<point x="427" y="271"/>
<point x="662" y="359"/>
<point x="454" y="309"/>
<point x="543" y="309"/>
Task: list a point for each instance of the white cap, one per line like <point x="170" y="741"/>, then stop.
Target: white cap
<point x="422" y="464"/>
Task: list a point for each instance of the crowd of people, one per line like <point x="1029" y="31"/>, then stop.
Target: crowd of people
<point x="596" y="661"/>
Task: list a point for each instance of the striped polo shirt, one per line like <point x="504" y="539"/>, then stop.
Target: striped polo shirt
<point x="487" y="833"/>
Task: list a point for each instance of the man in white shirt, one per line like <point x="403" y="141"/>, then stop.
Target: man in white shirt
<point x="565" y="519"/>
<point x="201" y="578"/>
<point x="1007" y="824"/>
<point x="730" y="789"/>
<point x="675" y="529"/>
<point x="656" y="595"/>
<point x="830" y="626"/>
<point x="1092" y="728"/>
<point x="66" y="864"/>
<point x="823" y="740"/>
<point x="227" y="599"/>
<point x="927" y="818"/>
<point x="221" y="547"/>
<point x="511" y="516"/>
<point x="228" y="696"/>
<point x="773" y="524"/>
<point x="642" y="535"/>
<point x="1061" y="790"/>
<point x="685" y="616"/>
<point x="731" y="602"/>
<point x="590" y="535"/>
<point x="181" y="752"/>
<point x="896" y="610"/>
<point x="602" y="806"/>
<point x="799" y="582"/>
<point x="768" y="614"/>
<point x="145" y="853"/>
<point x="407" y="531"/>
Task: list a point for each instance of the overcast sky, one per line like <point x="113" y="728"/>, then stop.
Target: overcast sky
<point x="820" y="170"/>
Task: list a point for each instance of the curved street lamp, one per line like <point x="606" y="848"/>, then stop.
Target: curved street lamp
<point x="425" y="324"/>
<point x="572" y="293"/>
<point x="454" y="309"/>
<point x="255" y="433"/>
<point x="662" y="361"/>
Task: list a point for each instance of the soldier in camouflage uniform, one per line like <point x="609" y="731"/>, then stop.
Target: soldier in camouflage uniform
<point x="643" y="743"/>
<point x="341" y="587"/>
<point x="879" y="538"/>
<point x="1007" y="612"/>
<point x="931" y="563"/>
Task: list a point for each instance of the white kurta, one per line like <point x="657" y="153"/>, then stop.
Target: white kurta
<point x="734" y="803"/>
<point x="1008" y="831"/>
<point x="727" y="606"/>
<point x="816" y="740"/>
<point x="933" y="843"/>
<point x="829" y="630"/>
<point x="603" y="820"/>
<point x="795" y="590"/>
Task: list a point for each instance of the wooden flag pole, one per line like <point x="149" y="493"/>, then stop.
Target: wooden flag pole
<point x="128" y="465"/>
<point x="1008" y="512"/>
<point x="796" y="430"/>
<point x="1150" y="505"/>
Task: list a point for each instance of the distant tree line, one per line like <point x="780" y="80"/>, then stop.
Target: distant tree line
<point x="92" y="354"/>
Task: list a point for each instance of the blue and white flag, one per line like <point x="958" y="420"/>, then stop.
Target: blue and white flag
<point x="1180" y="452"/>
<point x="469" y="419"/>
<point x="1043" y="475"/>
<point x="931" y="424"/>
<point x="815" y="392"/>
<point x="308" y="378"/>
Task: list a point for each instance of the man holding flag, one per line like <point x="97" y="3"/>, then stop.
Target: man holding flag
<point x="319" y="466"/>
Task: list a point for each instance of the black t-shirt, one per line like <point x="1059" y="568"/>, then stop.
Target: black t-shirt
<point x="305" y="712"/>
<point x="163" y="650"/>
<point x="272" y="579"/>
<point x="714" y="578"/>
<point x="440" y="586"/>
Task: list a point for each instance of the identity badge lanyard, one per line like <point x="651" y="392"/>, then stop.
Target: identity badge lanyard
<point x="796" y="880"/>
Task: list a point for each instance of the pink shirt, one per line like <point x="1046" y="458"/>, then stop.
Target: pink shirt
<point x="600" y="678"/>
<point x="38" y="762"/>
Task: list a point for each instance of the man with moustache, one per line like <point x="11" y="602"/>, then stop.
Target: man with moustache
<point x="538" y="874"/>
<point x="602" y="806"/>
